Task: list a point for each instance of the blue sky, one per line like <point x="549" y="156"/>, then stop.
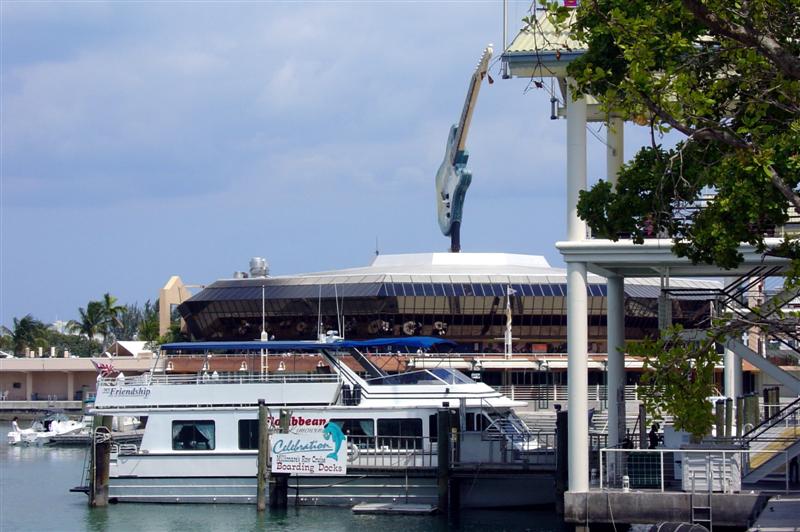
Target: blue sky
<point x="142" y="140"/>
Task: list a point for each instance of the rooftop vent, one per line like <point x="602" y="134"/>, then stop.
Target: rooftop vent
<point x="240" y="275"/>
<point x="259" y="267"/>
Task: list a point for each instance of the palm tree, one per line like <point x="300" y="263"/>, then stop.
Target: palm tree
<point x="91" y="322"/>
<point x="26" y="333"/>
<point x="111" y="313"/>
<point x="148" y="326"/>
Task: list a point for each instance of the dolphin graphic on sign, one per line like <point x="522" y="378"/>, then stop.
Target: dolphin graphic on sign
<point x="333" y="432"/>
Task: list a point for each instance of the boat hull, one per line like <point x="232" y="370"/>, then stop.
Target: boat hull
<point x="484" y="492"/>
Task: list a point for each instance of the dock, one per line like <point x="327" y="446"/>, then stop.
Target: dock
<point x="781" y="514"/>
<point x="84" y="439"/>
<point x="615" y="507"/>
<point x="394" y="509"/>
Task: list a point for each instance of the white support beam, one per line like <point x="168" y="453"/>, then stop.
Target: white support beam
<point x="577" y="310"/>
<point x="576" y="164"/>
<point x="616" y="359"/>
<point x="615" y="312"/>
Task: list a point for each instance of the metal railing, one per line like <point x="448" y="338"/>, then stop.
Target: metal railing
<point x="558" y="393"/>
<point x="224" y="378"/>
<point x="391" y="452"/>
<point x="786" y="415"/>
<point x="716" y="470"/>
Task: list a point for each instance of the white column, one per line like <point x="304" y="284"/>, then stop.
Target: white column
<point x="577" y="377"/>
<point x="577" y="312"/>
<point x="576" y="164"/>
<point x="28" y="386"/>
<point x="70" y="386"/>
<point x="615" y="311"/>
<point x="616" y="359"/>
<point x="732" y="375"/>
<point x="615" y="148"/>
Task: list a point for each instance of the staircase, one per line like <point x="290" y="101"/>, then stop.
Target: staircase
<point x="508" y="426"/>
<point x="778" y="439"/>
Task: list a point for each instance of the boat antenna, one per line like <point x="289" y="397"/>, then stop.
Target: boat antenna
<point x="319" y="314"/>
<point x="377" y="248"/>
<point x="264" y="334"/>
<point x="338" y="316"/>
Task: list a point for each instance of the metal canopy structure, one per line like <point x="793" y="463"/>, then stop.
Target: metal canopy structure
<point x="654" y="258"/>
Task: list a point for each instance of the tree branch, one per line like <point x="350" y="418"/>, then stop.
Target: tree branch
<point x="766" y="44"/>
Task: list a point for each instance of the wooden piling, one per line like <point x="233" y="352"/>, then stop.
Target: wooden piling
<point x="279" y="482"/>
<point x="719" y="417"/>
<point x="643" y="444"/>
<point x="443" y="455"/>
<point x="729" y="418"/>
<point x="739" y="416"/>
<point x="263" y="456"/>
<point x="100" y="461"/>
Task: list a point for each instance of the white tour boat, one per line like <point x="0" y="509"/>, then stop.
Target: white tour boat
<point x="199" y="407"/>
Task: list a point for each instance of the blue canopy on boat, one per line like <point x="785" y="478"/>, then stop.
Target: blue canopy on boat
<point x="413" y="342"/>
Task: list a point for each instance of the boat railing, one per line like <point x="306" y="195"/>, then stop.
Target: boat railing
<point x="219" y="378"/>
<point x="391" y="452"/>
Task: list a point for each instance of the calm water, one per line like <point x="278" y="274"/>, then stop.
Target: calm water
<point x="34" y="495"/>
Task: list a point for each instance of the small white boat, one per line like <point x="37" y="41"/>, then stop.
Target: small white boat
<point x="40" y="432"/>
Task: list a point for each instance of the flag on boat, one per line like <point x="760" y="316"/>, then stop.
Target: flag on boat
<point x="104" y="368"/>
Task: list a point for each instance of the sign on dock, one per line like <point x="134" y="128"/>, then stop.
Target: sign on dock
<point x="308" y="455"/>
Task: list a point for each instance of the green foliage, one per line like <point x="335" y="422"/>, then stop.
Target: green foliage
<point x="91" y="322"/>
<point x="679" y="378"/>
<point x="727" y="76"/>
<point x="27" y="333"/>
<point x="148" y="328"/>
<point x="79" y="346"/>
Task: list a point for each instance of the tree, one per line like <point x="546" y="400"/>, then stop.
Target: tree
<point x="680" y="375"/>
<point x="91" y="322"/>
<point x="726" y="76"/>
<point x="148" y="327"/>
<point x="111" y="316"/>
<point x="129" y="319"/>
<point x="27" y="333"/>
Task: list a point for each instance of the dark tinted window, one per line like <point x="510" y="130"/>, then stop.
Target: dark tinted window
<point x="193" y="435"/>
<point x="248" y="434"/>
<point x="359" y="432"/>
<point x="400" y="433"/>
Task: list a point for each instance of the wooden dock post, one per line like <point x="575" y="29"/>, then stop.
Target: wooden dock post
<point x="642" y="427"/>
<point x="739" y="416"/>
<point x="279" y="485"/>
<point x="263" y="456"/>
<point x="729" y="418"/>
<point x="443" y="463"/>
<point x="101" y="459"/>
<point x="719" y="417"/>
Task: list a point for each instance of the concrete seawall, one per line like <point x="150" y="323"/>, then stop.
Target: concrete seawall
<point x="729" y="509"/>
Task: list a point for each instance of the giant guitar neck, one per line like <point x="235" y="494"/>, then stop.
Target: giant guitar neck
<point x="469" y="102"/>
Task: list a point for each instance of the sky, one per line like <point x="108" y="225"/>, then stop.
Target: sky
<point x="142" y="140"/>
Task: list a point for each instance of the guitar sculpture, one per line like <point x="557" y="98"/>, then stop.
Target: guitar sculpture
<point x="453" y="178"/>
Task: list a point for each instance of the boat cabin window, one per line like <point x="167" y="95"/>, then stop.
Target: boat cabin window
<point x="476" y="422"/>
<point x="193" y="435"/>
<point x="400" y="433"/>
<point x="248" y="434"/>
<point x="433" y="427"/>
<point x="359" y="432"/>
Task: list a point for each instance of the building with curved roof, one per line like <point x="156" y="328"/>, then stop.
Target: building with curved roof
<point x="461" y="296"/>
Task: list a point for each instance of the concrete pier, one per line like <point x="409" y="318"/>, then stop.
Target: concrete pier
<point x="781" y="514"/>
<point x="613" y="507"/>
